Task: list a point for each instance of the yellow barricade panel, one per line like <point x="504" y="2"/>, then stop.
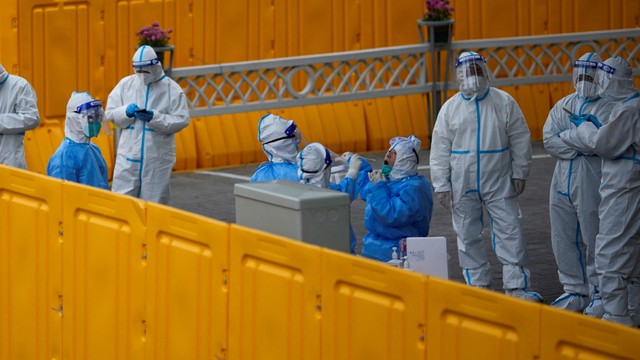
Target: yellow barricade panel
<point x="381" y="123"/>
<point x="186" y="155"/>
<point x="30" y="265"/>
<point x="273" y="299"/>
<point x="40" y="143"/>
<point x="103" y="274"/>
<point x="371" y="310"/>
<point x="187" y="262"/>
<point x="419" y="118"/>
<point x="565" y="335"/>
<point x="462" y="319"/>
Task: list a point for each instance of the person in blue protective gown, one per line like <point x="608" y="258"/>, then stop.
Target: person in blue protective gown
<point x="77" y="159"/>
<point x="398" y="200"/>
<point x="480" y="158"/>
<point x="280" y="139"/>
<point x="314" y="168"/>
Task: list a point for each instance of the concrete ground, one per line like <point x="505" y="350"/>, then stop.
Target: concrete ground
<point x="210" y="193"/>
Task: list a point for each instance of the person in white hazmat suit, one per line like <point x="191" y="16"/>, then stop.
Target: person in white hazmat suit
<point x="280" y="139"/>
<point x="480" y="156"/>
<point x="573" y="196"/>
<point x="150" y="108"/>
<point x="616" y="140"/>
<point x="18" y="113"/>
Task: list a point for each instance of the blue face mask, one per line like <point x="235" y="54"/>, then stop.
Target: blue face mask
<point x="386" y="169"/>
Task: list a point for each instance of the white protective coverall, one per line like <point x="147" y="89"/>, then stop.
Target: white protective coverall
<point x="147" y="149"/>
<point x="480" y="143"/>
<point x="573" y="196"/>
<point x="617" y="141"/>
<point x="18" y="113"/>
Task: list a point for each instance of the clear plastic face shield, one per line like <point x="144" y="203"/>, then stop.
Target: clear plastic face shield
<point x="472" y="74"/>
<point x="92" y="118"/>
<point x="584" y="78"/>
<point x="614" y="79"/>
<point x="145" y="69"/>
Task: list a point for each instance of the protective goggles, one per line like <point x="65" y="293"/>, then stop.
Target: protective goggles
<point x="92" y="110"/>
<point x="289" y="132"/>
<point x="145" y="63"/>
<point x="327" y="162"/>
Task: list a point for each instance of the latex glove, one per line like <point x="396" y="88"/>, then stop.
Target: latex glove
<point x="577" y="120"/>
<point x="131" y="110"/>
<point x="347" y="155"/>
<point x="144" y="115"/>
<point x="355" y="163"/>
<point x="518" y="185"/>
<point x="376" y="176"/>
<point x="592" y="118"/>
<point x="444" y="198"/>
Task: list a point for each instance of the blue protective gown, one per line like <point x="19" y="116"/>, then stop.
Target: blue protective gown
<point x="395" y="210"/>
<point x="350" y="187"/>
<point x="268" y="171"/>
<point x="79" y="162"/>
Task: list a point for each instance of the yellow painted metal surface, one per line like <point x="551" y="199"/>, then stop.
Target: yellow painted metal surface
<point x="103" y="274"/>
<point x="274" y="297"/>
<point x="570" y="336"/>
<point x="30" y="266"/>
<point x="371" y="310"/>
<point x="468" y="323"/>
<point x="187" y="285"/>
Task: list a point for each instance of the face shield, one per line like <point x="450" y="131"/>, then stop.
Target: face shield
<point x="615" y="79"/>
<point x="472" y="74"/>
<point x="314" y="165"/>
<point x="92" y="115"/>
<point x="147" y="65"/>
<point x="584" y="75"/>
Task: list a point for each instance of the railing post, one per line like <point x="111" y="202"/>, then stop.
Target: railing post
<point x="439" y="34"/>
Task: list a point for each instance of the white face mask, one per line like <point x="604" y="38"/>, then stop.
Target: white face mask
<point x="474" y="85"/>
<point x="586" y="89"/>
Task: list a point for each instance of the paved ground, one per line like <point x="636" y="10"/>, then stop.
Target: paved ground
<point x="210" y="193"/>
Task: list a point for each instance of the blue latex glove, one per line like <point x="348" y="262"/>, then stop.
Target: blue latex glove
<point x="131" y="110"/>
<point x="144" y="115"/>
<point x="593" y="119"/>
<point x="577" y="120"/>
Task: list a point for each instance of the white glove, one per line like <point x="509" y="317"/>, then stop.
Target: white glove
<point x="518" y="185"/>
<point x="376" y="176"/>
<point x="354" y="166"/>
<point x="444" y="198"/>
<point x="347" y="155"/>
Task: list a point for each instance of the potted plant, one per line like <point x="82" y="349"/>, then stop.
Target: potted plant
<point x="438" y="20"/>
<point x="156" y="37"/>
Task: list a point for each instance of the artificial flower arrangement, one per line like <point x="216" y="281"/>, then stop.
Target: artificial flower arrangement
<point x="153" y="35"/>
<point x="438" y="10"/>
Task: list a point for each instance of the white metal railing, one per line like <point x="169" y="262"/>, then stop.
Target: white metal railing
<point x="353" y="75"/>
